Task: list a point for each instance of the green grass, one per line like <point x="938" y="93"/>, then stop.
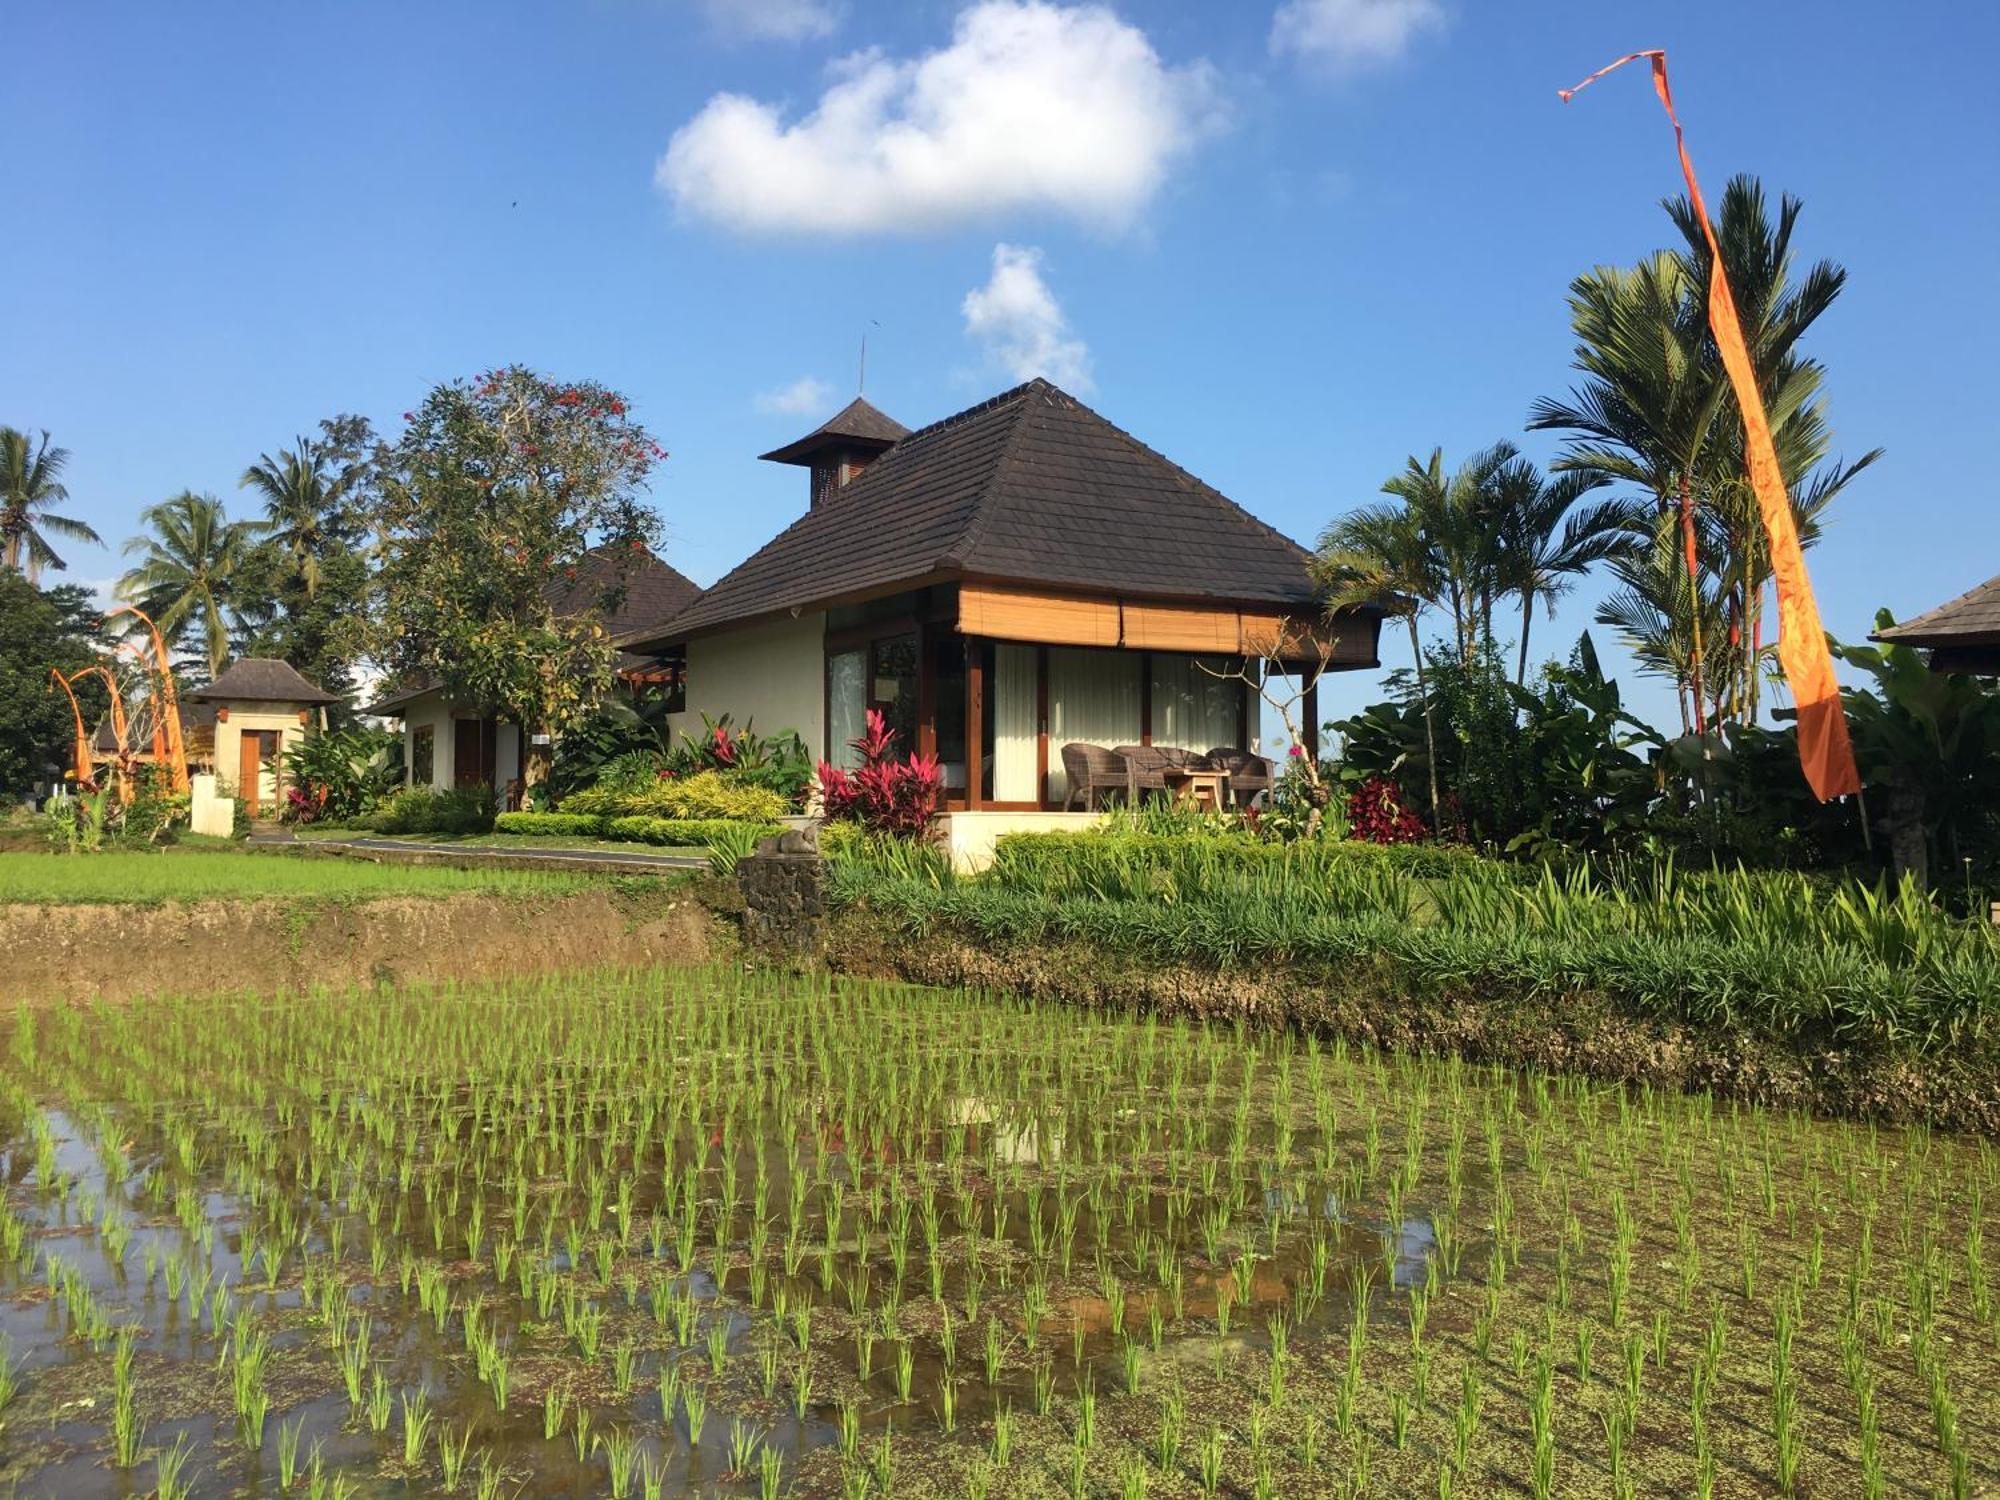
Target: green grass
<point x="146" y="878"/>
<point x="539" y="843"/>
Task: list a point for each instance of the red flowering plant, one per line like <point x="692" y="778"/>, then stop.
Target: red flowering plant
<point x="885" y="794"/>
<point x="1378" y="812"/>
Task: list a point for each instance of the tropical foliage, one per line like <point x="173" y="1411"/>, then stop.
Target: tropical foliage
<point x="191" y="573"/>
<point x="496" y="487"/>
<point x="42" y="629"/>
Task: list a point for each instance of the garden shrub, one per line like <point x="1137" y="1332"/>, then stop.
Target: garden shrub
<point x="422" y="809"/>
<point x="710" y="795"/>
<point x="884" y="794"/>
<point x="552" y="825"/>
<point x="684" y="833"/>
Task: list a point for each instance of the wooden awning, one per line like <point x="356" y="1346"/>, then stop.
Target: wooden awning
<point x="1008" y="613"/>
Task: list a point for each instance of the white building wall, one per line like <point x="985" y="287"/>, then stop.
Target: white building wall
<point x="429" y="710"/>
<point x="770" y="676"/>
<point x="289" y="720"/>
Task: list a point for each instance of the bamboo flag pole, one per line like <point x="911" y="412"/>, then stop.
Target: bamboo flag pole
<point x="1825" y="753"/>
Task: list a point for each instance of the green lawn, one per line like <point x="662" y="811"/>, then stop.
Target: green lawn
<point x="145" y="877"/>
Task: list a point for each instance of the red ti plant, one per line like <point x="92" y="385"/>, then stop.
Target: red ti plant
<point x="885" y="795"/>
<point x="1378" y="812"/>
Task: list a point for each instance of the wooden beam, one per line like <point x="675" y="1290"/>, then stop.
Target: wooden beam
<point x="975" y="720"/>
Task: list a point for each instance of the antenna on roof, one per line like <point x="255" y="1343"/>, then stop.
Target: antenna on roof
<point x="861" y="377"/>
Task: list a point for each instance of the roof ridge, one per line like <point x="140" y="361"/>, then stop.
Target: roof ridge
<point x="1014" y="393"/>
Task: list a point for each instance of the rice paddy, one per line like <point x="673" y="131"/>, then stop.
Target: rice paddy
<point x="703" y="1231"/>
<point x="128" y="877"/>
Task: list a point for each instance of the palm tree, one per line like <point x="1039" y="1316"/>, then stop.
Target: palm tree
<point x="187" y="571"/>
<point x="31" y="482"/>
<point x="1380" y="555"/>
<point x="1456" y="517"/>
<point x="1544" y="542"/>
<point x="1649" y="401"/>
<point x="1655" y="413"/>
<point x="301" y="503"/>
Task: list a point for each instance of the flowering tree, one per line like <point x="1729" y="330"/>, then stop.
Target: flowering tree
<point x="886" y="795"/>
<point x="496" y="489"/>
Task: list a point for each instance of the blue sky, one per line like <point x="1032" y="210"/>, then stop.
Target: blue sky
<point x="1286" y="251"/>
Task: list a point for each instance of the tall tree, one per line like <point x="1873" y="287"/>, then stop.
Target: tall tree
<point x="30" y="484"/>
<point x="41" y="629"/>
<point x="187" y="578"/>
<point x="496" y="487"/>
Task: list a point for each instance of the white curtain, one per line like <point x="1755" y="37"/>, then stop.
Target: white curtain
<point x="1093" y="697"/>
<point x="1193" y="708"/>
<point x="846" y="706"/>
<point x="1014" y="728"/>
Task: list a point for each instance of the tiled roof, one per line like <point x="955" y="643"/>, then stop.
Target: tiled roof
<point x="857" y="421"/>
<point x="261" y="679"/>
<point x="643" y="592"/>
<point x="1973" y="616"/>
<point x="1031" y="486"/>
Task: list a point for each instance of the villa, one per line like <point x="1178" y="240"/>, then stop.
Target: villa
<point x="1015" y="577"/>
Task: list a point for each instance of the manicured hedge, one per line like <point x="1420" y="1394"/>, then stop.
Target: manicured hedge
<point x="554" y="825"/>
<point x="685" y="833"/>
<point x="682" y="833"/>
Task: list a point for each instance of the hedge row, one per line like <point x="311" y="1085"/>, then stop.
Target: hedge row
<point x="683" y="833"/>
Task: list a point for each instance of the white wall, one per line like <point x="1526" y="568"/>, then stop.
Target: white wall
<point x="229" y="732"/>
<point x="771" y="676"/>
<point x="429" y="709"/>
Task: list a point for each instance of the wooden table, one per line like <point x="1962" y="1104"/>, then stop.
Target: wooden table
<point x="1204" y="788"/>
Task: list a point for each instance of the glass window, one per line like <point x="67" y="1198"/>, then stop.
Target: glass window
<point x="423" y="752"/>
<point x="1093" y="698"/>
<point x="1195" y="706"/>
<point x="892" y="688"/>
<point x="846" y="705"/>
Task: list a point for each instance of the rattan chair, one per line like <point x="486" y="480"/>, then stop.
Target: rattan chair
<point x="1093" y="771"/>
<point x="1250" y="775"/>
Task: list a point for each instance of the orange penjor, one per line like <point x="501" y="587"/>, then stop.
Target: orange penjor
<point x="1824" y="751"/>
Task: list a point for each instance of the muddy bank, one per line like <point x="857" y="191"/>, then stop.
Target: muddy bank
<point x="1577" y="1033"/>
<point x="76" y="953"/>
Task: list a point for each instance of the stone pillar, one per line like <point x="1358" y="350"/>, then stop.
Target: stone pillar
<point x="784" y="895"/>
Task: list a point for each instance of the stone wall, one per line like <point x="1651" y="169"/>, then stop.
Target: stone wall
<point x="784" y="895"/>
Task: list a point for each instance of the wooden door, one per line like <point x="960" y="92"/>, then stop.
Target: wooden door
<point x="472" y="751"/>
<point x="250" y="769"/>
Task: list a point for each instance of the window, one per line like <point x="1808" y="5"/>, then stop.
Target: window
<point x="423" y="752"/>
<point x="1195" y="706"/>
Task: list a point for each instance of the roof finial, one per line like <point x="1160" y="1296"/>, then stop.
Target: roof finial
<point x="861" y="376"/>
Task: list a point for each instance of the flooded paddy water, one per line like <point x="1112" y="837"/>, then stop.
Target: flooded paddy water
<point x="704" y="1232"/>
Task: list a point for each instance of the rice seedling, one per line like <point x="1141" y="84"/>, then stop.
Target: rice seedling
<point x="864" y="1162"/>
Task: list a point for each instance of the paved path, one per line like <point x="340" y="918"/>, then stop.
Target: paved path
<point x="484" y="854"/>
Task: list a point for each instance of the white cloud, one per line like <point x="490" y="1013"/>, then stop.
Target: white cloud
<point x="1350" y="34"/>
<point x="803" y="397"/>
<point x="1032" y="106"/>
<point x="1018" y="319"/>
<point x="772" y="20"/>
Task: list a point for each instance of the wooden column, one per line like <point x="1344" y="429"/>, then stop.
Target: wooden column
<point x="1145" y="697"/>
<point x="975" y="720"/>
<point x="1042" y="726"/>
<point x="926" y="692"/>
<point x="1311" y="728"/>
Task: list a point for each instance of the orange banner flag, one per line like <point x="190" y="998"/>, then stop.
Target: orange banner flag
<point x="1824" y="751"/>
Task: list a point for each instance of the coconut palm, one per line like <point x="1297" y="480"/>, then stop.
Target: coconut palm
<point x="188" y="570"/>
<point x="303" y="499"/>
<point x="1455" y="515"/>
<point x="30" y="483"/>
